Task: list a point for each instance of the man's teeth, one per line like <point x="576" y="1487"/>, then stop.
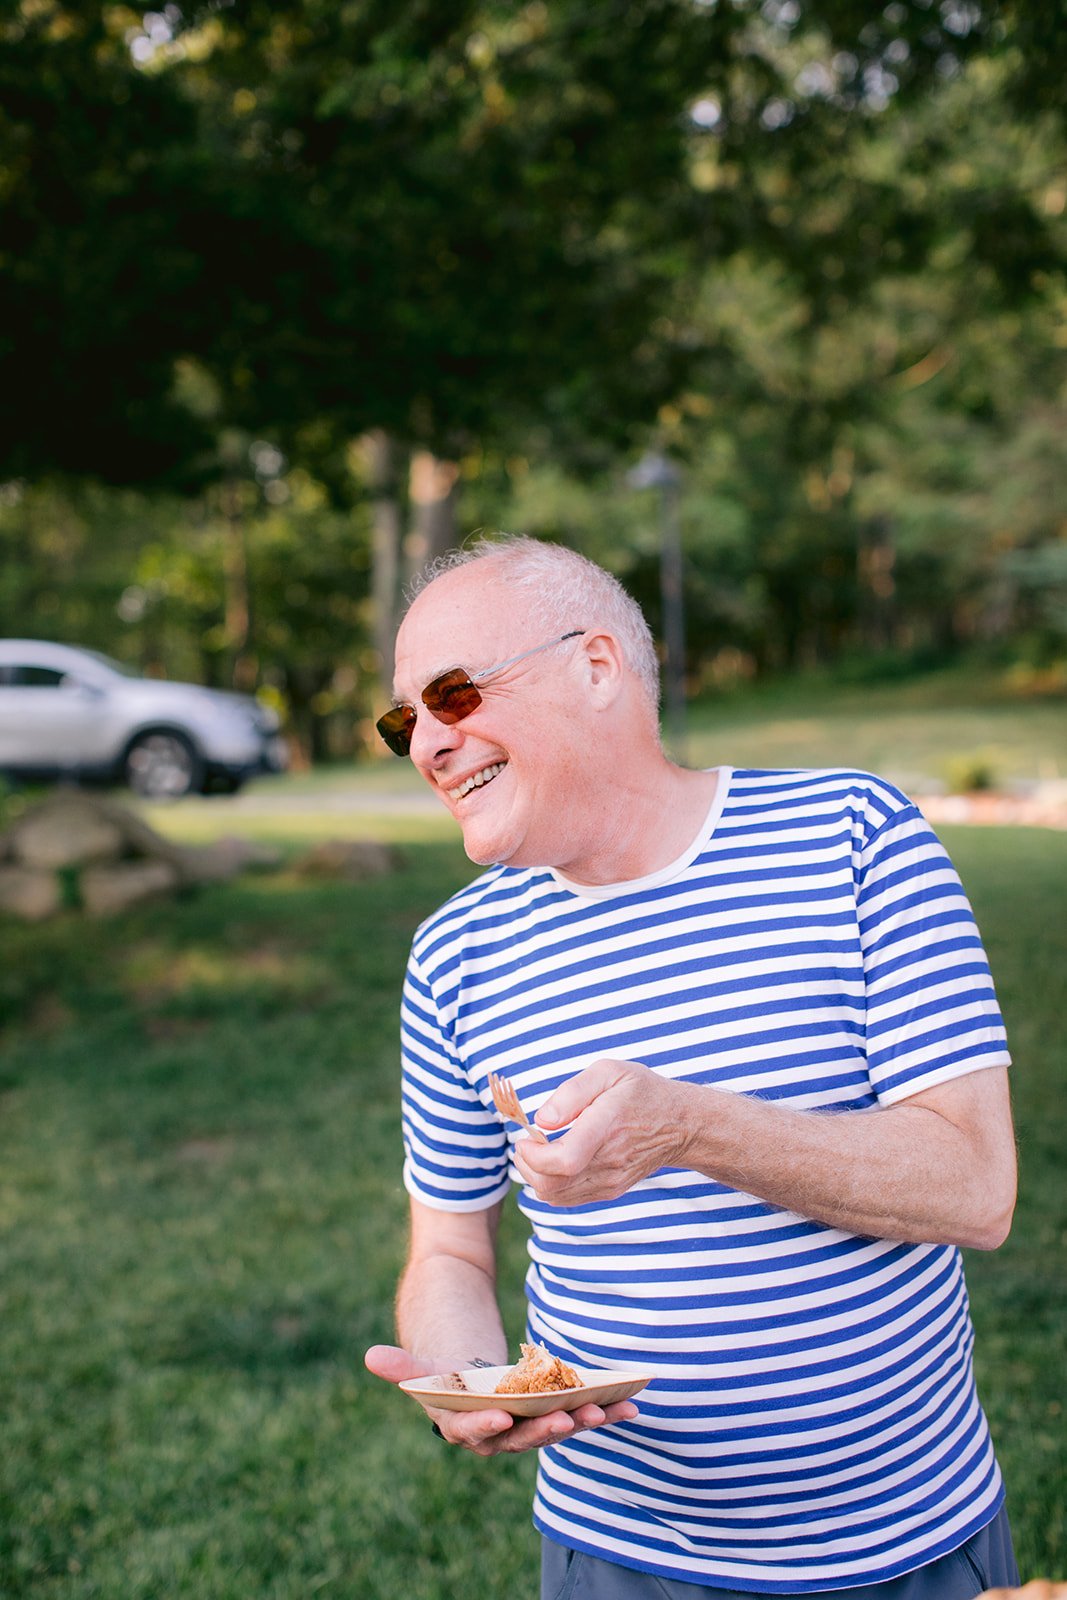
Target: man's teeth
<point x="476" y="780"/>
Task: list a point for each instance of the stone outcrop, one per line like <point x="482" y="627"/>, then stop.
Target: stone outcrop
<point x="65" y="833"/>
<point x="224" y="858"/>
<point x="87" y="850"/>
<point x="29" y="892"/>
<point x="122" y="884"/>
<point x="83" y="850"/>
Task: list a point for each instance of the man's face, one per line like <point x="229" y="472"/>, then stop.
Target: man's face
<point x="511" y="772"/>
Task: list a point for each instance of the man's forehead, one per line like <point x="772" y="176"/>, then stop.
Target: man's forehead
<point x="455" y="623"/>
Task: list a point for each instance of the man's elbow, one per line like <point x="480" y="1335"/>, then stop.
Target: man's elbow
<point x="990" y="1237"/>
<point x="991" y="1222"/>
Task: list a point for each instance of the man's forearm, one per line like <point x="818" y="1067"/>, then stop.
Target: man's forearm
<point x="446" y="1306"/>
<point x="905" y="1172"/>
<point x="938" y="1168"/>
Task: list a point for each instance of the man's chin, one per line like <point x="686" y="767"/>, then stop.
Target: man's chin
<point x="482" y="850"/>
<point x="489" y="847"/>
<point x="481" y="857"/>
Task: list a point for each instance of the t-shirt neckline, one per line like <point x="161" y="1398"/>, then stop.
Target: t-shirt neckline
<point x="673" y="869"/>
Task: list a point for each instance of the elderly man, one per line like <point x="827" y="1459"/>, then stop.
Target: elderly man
<point x="752" y="1010"/>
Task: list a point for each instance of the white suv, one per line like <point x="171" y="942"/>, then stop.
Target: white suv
<point x="67" y="713"/>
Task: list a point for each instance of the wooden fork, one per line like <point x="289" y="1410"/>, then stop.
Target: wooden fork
<point x="507" y="1103"/>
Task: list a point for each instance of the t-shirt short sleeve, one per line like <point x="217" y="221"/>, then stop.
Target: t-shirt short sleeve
<point x="932" y="1012"/>
<point x="455" y="1147"/>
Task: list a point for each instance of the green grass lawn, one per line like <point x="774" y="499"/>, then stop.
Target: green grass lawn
<point x="923" y="732"/>
<point x="201" y="1223"/>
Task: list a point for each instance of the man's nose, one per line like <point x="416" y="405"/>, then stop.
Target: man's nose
<point x="431" y="740"/>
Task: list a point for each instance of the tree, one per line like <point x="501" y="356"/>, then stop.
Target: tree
<point x="101" y="283"/>
<point x="860" y="371"/>
<point x="475" y="232"/>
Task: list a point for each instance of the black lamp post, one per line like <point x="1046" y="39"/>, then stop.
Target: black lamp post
<point x="657" y="471"/>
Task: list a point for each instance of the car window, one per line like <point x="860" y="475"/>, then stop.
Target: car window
<point x="23" y="677"/>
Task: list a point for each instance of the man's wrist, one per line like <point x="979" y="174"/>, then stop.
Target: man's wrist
<point x="683" y="1110"/>
<point x="699" y="1110"/>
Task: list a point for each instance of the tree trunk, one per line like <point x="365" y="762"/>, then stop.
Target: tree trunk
<point x="433" y="508"/>
<point x="238" y="601"/>
<point x="382" y="457"/>
<point x="308" y="738"/>
<point x="876" y="579"/>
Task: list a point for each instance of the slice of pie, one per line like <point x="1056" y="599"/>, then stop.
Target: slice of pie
<point x="537" y="1373"/>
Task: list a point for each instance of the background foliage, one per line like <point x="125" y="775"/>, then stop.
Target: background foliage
<point x="295" y="294"/>
<point x="291" y="296"/>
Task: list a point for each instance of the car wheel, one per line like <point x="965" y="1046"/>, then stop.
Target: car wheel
<point x="163" y="766"/>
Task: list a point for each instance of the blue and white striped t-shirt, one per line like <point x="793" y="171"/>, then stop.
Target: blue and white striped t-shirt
<point x="813" y="1421"/>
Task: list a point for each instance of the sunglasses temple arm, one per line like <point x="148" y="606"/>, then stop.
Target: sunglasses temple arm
<point x="489" y="671"/>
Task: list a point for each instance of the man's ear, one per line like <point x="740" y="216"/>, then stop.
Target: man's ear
<point x="605" y="666"/>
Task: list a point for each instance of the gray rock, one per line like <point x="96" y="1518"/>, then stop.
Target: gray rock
<point x="113" y="855"/>
<point x="224" y="858"/>
<point x="140" y="839"/>
<point x="107" y="890"/>
<point x="66" y="831"/>
<point x="29" y="893"/>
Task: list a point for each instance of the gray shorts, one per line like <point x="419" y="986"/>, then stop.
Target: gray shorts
<point x="987" y="1561"/>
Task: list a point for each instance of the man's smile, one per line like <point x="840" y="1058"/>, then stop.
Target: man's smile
<point x="477" y="780"/>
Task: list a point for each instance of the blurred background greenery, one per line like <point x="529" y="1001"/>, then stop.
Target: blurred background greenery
<point x="202" y="1220"/>
<point x="294" y="295"/>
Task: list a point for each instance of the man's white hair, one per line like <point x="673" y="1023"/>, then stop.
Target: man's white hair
<point x="560" y="590"/>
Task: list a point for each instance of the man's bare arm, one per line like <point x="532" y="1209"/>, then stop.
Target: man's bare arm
<point x="937" y="1168"/>
<point x="446" y="1301"/>
<point x="448" y="1317"/>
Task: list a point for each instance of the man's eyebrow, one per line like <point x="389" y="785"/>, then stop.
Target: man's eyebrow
<point x="449" y="666"/>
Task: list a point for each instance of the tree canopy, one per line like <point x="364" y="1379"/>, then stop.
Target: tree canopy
<point x="252" y="254"/>
<point x="443" y="220"/>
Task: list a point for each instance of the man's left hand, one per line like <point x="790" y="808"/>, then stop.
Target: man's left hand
<point x="625" y="1124"/>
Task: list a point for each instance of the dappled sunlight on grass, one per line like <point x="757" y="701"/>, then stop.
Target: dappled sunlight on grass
<point x="158" y="973"/>
<point x="920" y="751"/>
<point x="290" y="831"/>
<point x="202" y="1219"/>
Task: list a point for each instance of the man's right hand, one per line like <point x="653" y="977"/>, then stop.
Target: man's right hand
<point x="491" y="1432"/>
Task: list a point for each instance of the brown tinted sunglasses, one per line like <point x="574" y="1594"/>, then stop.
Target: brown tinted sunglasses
<point x="450" y="697"/>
